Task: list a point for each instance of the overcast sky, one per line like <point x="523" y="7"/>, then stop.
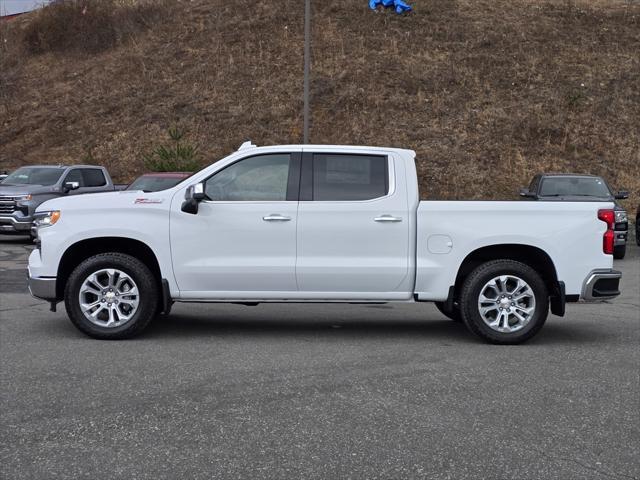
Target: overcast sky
<point x="9" y="7"/>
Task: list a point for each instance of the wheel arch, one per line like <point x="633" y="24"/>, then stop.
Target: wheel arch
<point x="83" y="249"/>
<point x="532" y="256"/>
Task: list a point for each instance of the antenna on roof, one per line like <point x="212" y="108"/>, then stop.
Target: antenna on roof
<point x="246" y="145"/>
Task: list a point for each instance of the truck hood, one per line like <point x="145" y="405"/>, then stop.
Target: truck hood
<point x="13" y="190"/>
<point x="106" y="200"/>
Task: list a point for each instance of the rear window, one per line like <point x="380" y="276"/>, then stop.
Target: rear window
<point x="574" y="186"/>
<point x="340" y="177"/>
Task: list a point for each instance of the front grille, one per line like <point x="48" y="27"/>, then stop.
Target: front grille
<point x="7" y="205"/>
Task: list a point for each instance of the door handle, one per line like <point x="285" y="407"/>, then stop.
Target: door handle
<point x="276" y="217"/>
<point x="387" y="218"/>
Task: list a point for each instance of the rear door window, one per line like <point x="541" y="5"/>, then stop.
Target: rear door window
<point x="93" y="177"/>
<point x="345" y="177"/>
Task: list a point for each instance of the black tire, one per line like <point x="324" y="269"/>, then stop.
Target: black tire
<point x="141" y="275"/>
<point x="619" y="252"/>
<point x="470" y="294"/>
<point x="450" y="314"/>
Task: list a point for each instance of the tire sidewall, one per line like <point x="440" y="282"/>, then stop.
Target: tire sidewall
<point x="471" y="292"/>
<point x="139" y="273"/>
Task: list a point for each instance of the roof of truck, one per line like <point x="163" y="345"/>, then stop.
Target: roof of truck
<point x="567" y="175"/>
<point x="167" y="174"/>
<point x="61" y="166"/>
<point x="309" y="147"/>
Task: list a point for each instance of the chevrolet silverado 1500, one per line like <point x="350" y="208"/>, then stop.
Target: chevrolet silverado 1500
<point x="307" y="223"/>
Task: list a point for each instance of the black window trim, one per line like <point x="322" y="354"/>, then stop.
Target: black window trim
<point x="306" y="176"/>
<point x="293" y="181"/>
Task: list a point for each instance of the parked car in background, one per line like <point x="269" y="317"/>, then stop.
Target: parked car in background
<point x="155" y="182"/>
<point x="319" y="223"/>
<point x="3" y="175"/>
<point x="638" y="226"/>
<point x="22" y="191"/>
<point x="571" y="187"/>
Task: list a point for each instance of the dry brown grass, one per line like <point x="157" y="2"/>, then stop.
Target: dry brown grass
<point x="88" y="25"/>
<point x="487" y="92"/>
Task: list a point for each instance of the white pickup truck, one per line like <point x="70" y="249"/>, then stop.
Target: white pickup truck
<point x="311" y="223"/>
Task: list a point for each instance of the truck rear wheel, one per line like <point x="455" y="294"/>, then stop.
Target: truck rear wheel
<point x="504" y="302"/>
<point x="111" y="296"/>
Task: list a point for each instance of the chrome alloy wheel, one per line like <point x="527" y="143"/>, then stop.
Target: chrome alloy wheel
<point x="506" y="303"/>
<point x="109" y="298"/>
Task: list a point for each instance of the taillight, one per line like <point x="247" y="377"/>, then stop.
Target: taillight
<point x="609" y="217"/>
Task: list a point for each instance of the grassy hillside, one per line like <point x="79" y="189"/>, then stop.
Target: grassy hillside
<point x="487" y="92"/>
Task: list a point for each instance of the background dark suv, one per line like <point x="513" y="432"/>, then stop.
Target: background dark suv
<point x="571" y="187"/>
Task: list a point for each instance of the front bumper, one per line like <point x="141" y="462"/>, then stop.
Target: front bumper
<point x="11" y="224"/>
<point x="44" y="288"/>
<point x="601" y="284"/>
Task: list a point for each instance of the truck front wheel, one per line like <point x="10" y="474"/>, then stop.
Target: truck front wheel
<point x="111" y="296"/>
<point x="504" y="302"/>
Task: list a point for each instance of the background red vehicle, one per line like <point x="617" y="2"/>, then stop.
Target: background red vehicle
<point x="154" y="182"/>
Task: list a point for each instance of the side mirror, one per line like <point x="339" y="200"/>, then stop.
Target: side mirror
<point x="524" y="192"/>
<point x="68" y="186"/>
<point x="192" y="197"/>
<point x="621" y="195"/>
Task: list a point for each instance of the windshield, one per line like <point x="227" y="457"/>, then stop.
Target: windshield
<point x="574" y="187"/>
<point x="44" y="176"/>
<point x="154" y="184"/>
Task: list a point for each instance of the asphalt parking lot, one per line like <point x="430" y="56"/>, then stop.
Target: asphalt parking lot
<point x="317" y="391"/>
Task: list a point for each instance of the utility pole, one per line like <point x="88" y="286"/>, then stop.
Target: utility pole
<point x="307" y="62"/>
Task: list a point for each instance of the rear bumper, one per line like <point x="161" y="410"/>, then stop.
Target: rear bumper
<point x="44" y="288"/>
<point x="620" y="237"/>
<point x="601" y="284"/>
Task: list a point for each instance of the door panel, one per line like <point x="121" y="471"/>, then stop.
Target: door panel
<point x="230" y="247"/>
<point x="243" y="238"/>
<point x="353" y="247"/>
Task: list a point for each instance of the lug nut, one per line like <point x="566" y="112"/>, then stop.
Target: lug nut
<point x="513" y="304"/>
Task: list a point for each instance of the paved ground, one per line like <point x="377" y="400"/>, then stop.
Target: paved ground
<point x="317" y="392"/>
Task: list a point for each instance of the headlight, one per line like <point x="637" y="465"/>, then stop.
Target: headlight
<point x="23" y="198"/>
<point x="46" y="219"/>
<point x="621" y="216"/>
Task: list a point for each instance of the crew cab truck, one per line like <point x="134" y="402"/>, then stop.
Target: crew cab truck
<point x="22" y="191"/>
<point x="312" y="223"/>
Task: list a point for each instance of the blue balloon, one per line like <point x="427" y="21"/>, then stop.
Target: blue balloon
<point x="401" y="7"/>
<point x="398" y="5"/>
